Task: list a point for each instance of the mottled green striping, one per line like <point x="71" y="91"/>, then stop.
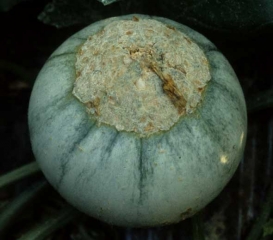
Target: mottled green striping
<point x="60" y="104"/>
<point x="176" y="152"/>
<point x="141" y="171"/>
<point x="60" y="55"/>
<point x="217" y="124"/>
<point x="85" y="175"/>
<point x="213" y="135"/>
<point x="83" y="130"/>
<point x="45" y="116"/>
<point x="145" y="167"/>
<point x="80" y="38"/>
<point x="237" y="104"/>
<point x="107" y="152"/>
<point x="208" y="48"/>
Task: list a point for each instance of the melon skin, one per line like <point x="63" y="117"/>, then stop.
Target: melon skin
<point x="119" y="177"/>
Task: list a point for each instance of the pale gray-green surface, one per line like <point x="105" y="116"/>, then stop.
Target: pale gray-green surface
<point x="121" y="178"/>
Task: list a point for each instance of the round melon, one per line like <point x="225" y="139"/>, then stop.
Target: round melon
<point x="138" y="121"/>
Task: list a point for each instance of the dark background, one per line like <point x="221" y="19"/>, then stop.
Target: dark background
<point x="242" y="30"/>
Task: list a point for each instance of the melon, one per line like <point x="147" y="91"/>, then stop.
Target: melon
<point x="138" y="121"/>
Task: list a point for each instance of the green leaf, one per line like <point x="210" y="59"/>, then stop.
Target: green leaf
<point x="19" y="173"/>
<point x="107" y="2"/>
<point x="268" y="228"/>
<point x="45" y="229"/>
<point x="19" y="205"/>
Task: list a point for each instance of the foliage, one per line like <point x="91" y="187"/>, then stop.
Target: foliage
<point x="268" y="228"/>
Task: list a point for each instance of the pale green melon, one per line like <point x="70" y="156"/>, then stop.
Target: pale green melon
<point x="141" y="172"/>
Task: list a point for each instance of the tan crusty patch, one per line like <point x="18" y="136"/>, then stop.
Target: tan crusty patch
<point x="140" y="75"/>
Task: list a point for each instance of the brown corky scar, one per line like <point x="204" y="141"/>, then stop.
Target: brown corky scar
<point x="170" y="89"/>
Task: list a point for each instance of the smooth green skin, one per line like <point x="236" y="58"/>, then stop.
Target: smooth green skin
<point x="125" y="180"/>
